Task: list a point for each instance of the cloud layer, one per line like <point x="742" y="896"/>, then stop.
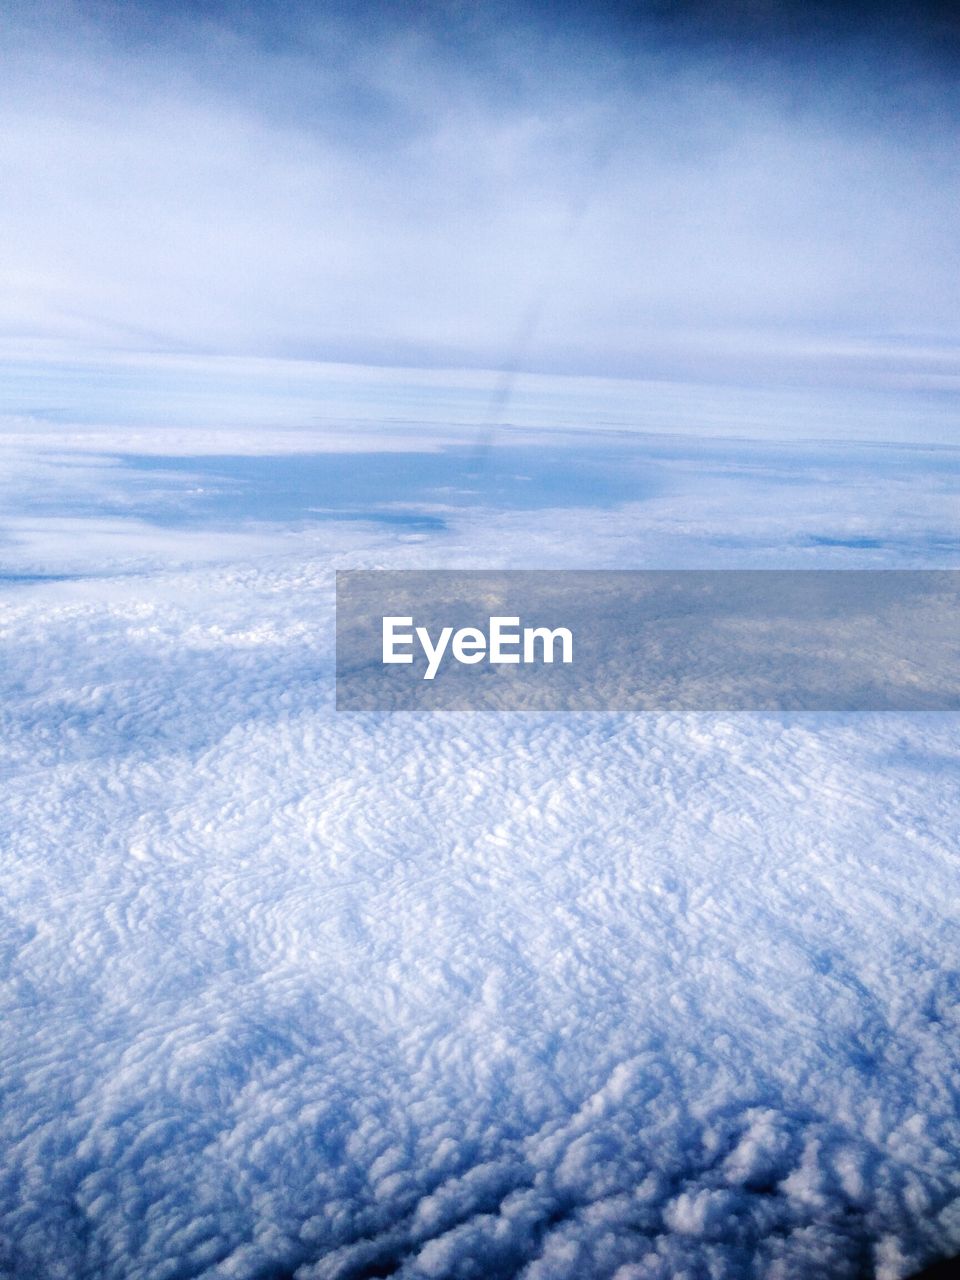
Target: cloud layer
<point x="290" y="994"/>
<point x="296" y="996"/>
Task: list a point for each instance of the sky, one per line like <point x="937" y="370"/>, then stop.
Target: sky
<point x="294" y="995"/>
<point x="747" y="191"/>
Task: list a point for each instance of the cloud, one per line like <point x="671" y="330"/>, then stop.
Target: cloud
<point x="469" y="193"/>
<point x="297" y="994"/>
<point x="279" y="1007"/>
<point x="291" y="994"/>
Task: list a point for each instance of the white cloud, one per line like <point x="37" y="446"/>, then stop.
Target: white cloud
<point x="296" y="994"/>
<point x="375" y="196"/>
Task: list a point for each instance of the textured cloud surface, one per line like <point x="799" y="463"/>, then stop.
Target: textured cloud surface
<point x="288" y="993"/>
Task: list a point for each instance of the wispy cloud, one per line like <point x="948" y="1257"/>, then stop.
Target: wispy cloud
<point x="476" y="191"/>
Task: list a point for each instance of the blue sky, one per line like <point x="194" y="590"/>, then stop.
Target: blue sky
<point x="571" y="191"/>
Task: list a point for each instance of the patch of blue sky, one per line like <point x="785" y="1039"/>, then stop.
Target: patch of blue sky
<point x="692" y="500"/>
